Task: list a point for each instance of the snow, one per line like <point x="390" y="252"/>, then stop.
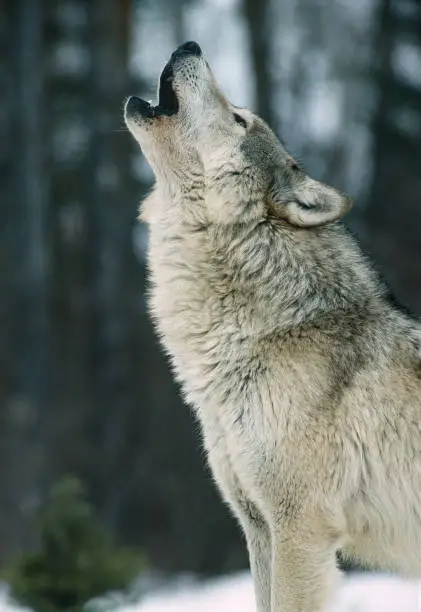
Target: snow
<point x="358" y="593"/>
<point x="224" y="594"/>
<point x="6" y="604"/>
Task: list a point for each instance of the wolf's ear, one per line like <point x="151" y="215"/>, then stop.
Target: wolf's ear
<point x="310" y="204"/>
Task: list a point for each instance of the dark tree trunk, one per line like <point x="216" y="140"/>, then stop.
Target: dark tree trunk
<point x="114" y="276"/>
<point x="257" y="14"/>
<point x="68" y="136"/>
<point x="28" y="300"/>
<point x="394" y="211"/>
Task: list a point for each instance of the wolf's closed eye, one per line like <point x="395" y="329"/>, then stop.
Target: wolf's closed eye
<point x="238" y="119"/>
<point x="304" y="205"/>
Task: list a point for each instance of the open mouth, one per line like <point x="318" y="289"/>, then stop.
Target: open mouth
<point x="167" y="98"/>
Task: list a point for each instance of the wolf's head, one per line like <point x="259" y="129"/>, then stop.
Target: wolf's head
<point x="194" y="133"/>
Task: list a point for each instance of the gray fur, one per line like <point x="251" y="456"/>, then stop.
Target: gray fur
<point x="306" y="381"/>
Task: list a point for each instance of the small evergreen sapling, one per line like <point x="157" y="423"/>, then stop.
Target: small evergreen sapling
<point x="77" y="560"/>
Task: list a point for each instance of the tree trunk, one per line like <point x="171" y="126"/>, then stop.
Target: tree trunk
<point x="394" y="210"/>
<point x="24" y="481"/>
<point x="257" y="14"/>
<point x="114" y="275"/>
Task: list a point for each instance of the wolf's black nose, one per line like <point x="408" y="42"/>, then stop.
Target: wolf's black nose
<point x="188" y="48"/>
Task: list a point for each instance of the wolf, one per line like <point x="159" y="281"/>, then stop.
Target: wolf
<point x="306" y="380"/>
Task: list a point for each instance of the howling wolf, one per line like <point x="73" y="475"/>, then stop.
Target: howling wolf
<point x="305" y="378"/>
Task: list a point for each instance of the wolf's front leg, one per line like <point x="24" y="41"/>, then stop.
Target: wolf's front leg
<point x="304" y="572"/>
<point x="260" y="551"/>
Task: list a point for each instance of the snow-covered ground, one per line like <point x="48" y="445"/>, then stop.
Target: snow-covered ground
<point x="359" y="593"/>
<point x="6" y="604"/>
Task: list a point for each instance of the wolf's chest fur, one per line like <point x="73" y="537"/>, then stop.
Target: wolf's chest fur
<point x="214" y="361"/>
<point x="235" y="376"/>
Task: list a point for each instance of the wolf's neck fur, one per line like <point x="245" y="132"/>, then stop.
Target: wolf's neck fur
<point x="217" y="291"/>
<point x="275" y="270"/>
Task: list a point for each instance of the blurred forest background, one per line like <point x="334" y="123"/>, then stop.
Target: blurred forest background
<point x="84" y="388"/>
